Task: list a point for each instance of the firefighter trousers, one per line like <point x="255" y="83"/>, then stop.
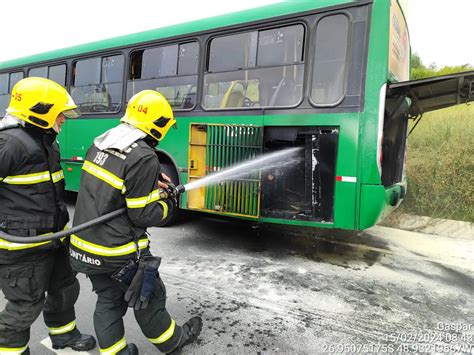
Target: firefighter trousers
<point x="24" y="286"/>
<point x="154" y="321"/>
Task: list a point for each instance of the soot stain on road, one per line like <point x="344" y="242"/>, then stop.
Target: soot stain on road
<point x="341" y="248"/>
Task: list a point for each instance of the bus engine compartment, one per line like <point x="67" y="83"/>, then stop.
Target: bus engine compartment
<point x="303" y="188"/>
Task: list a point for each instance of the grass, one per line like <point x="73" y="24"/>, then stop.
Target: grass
<point x="440" y="166"/>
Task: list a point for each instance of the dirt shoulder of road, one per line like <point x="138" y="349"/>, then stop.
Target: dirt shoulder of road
<point x="428" y="225"/>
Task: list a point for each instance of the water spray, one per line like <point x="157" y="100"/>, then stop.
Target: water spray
<point x="281" y="158"/>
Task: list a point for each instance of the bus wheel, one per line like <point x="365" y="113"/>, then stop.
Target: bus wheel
<point x="175" y="215"/>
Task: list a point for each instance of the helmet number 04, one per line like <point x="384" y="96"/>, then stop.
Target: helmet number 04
<point x="100" y="158"/>
<point x="142" y="109"/>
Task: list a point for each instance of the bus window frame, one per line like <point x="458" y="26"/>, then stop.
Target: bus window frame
<point x="198" y="74"/>
<point x="53" y="64"/>
<point x="257" y="28"/>
<point x="38" y="67"/>
<point x="310" y="74"/>
<point x="9" y="91"/>
<point x="8" y="82"/>
<point x="101" y="55"/>
<point x="310" y="20"/>
<point x="10" y="88"/>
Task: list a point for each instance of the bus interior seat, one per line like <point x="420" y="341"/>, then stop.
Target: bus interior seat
<point x="284" y="94"/>
<point x="235" y="95"/>
<point x="188" y="101"/>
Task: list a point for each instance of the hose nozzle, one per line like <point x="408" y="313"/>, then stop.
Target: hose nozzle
<point x="180" y="189"/>
<point x="175" y="190"/>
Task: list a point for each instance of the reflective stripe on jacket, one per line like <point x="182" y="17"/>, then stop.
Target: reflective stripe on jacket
<point x="97" y="249"/>
<point x="5" y="244"/>
<point x="35" y="178"/>
<point x="111" y="180"/>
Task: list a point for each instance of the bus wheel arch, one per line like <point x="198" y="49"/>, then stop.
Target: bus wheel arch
<point x="169" y="167"/>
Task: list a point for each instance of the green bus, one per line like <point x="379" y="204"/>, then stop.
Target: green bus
<point x="328" y="76"/>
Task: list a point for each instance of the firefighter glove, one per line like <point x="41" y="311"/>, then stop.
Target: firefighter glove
<point x="171" y="190"/>
<point x="125" y="275"/>
<point x="149" y="280"/>
<point x="132" y="296"/>
<point x="143" y="284"/>
<point x="163" y="193"/>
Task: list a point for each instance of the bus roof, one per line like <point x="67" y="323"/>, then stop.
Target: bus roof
<point x="282" y="8"/>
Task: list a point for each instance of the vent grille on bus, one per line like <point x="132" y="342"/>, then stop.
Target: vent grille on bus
<point x="227" y="145"/>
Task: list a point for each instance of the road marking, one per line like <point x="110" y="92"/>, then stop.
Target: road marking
<point x="46" y="342"/>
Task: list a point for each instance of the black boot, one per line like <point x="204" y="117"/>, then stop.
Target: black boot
<point x="74" y="340"/>
<point x="131" y="349"/>
<point x="26" y="352"/>
<point x="191" y="330"/>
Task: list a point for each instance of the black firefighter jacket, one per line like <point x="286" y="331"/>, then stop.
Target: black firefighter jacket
<point x="31" y="191"/>
<point x="111" y="180"/>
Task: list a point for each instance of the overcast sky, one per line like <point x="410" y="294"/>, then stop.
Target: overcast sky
<point x="440" y="30"/>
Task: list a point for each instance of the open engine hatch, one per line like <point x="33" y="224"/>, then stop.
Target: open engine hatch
<point x="434" y="93"/>
<point x="303" y="190"/>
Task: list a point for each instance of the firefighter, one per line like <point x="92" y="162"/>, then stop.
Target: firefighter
<point x="32" y="203"/>
<point x="121" y="169"/>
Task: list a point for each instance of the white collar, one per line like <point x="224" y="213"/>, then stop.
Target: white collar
<point x="120" y="137"/>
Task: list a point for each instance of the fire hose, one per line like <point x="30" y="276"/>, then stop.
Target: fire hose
<point x="172" y="190"/>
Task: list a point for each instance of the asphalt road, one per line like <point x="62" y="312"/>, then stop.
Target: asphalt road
<point x="301" y="291"/>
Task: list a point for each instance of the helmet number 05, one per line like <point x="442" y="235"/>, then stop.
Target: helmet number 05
<point x="142" y="109"/>
<point x="100" y="158"/>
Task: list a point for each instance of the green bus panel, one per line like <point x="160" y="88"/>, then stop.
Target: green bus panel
<point x="377" y="76"/>
<point x="226" y="146"/>
<point x="75" y="139"/>
<point x="377" y="202"/>
<point x="344" y="206"/>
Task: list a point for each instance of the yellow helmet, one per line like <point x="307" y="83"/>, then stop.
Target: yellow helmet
<point x="150" y="112"/>
<point x="39" y="101"/>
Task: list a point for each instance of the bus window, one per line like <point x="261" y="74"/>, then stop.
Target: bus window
<point x="170" y="70"/>
<point x="255" y="69"/>
<point x="330" y="58"/>
<point x="41" y="72"/>
<point x="55" y="73"/>
<point x="280" y="46"/>
<point x="3" y="84"/>
<point x="233" y="52"/>
<point x="160" y="62"/>
<point x="4" y="96"/>
<point x="97" y="84"/>
<point x="7" y="82"/>
<point x="188" y="59"/>
<point x="14" y="78"/>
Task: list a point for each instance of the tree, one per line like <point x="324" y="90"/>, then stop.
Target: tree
<point x="420" y="71"/>
<point x="416" y="61"/>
